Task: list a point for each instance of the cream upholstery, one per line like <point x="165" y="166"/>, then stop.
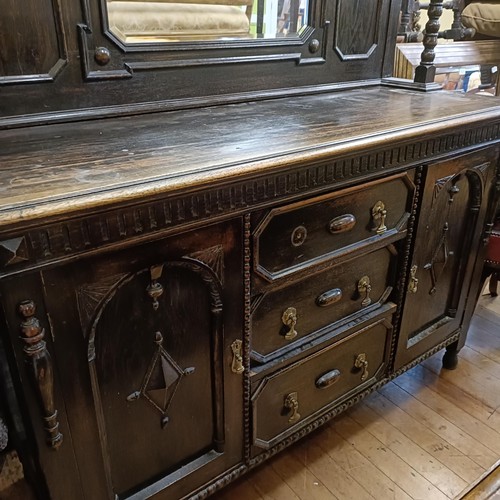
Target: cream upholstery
<point x="191" y="18"/>
<point x="483" y="16"/>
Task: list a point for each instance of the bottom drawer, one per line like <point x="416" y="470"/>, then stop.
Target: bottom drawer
<point x="297" y="394"/>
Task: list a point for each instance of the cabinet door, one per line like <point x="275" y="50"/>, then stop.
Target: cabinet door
<point x="143" y="345"/>
<point x="446" y="244"/>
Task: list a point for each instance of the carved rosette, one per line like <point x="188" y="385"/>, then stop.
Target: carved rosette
<point x="40" y="364"/>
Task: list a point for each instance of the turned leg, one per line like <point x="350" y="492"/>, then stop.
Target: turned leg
<point x="450" y="358"/>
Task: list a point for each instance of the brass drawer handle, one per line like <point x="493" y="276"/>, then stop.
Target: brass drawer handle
<point x="289" y="319"/>
<point x="155" y="289"/>
<point x="362" y="363"/>
<point x="328" y="298"/>
<point x="237" y="364"/>
<point x="365" y="287"/>
<point x="328" y="379"/>
<point x="413" y="284"/>
<point x="292" y="403"/>
<point x="342" y="223"/>
<point x="379" y="213"/>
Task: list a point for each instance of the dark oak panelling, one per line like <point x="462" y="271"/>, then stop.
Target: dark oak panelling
<point x="32" y="41"/>
<point x="164" y="76"/>
<point x="357" y="28"/>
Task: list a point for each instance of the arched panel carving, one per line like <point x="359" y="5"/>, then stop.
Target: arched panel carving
<point x="155" y="360"/>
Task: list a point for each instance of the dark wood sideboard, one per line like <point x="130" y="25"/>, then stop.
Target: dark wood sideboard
<point x="190" y="284"/>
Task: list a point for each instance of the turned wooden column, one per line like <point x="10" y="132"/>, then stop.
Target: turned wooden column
<point x="426" y="71"/>
<point x="40" y="365"/>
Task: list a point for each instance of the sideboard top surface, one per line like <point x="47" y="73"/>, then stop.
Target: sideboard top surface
<point x="61" y="169"/>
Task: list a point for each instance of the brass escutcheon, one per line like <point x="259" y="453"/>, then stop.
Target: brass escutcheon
<point x="292" y="403"/>
<point x="289" y="319"/>
<point x="299" y="235"/>
<point x="362" y="363"/>
<point x="365" y="287"/>
<point x="379" y="213"/>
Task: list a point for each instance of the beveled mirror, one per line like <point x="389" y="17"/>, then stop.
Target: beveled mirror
<point x="144" y="21"/>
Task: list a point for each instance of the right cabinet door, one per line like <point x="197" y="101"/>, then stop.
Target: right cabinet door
<point x="446" y="244"/>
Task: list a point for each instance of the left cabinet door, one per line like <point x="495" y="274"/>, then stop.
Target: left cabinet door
<point x="143" y="347"/>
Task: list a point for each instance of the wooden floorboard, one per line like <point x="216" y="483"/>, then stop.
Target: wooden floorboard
<point x="431" y="434"/>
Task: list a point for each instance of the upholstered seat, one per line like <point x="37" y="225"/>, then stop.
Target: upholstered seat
<point x="483" y="16"/>
<point x="186" y="19"/>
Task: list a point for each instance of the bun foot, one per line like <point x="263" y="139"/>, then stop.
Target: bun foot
<point x="450" y="359"/>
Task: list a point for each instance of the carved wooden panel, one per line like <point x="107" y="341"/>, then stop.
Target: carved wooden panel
<point x="32" y="45"/>
<point x="439" y="271"/>
<point x="356" y="30"/>
<point x="156" y="372"/>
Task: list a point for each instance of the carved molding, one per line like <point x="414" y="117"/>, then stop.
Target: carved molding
<point x="13" y="251"/>
<point x="91" y="70"/>
<point x="90" y="296"/>
<point x="440" y="184"/>
<point x="60" y="58"/>
<point x="482" y="170"/>
<point x="213" y="257"/>
<point x="73" y="237"/>
<point x="357" y="31"/>
<point x="247" y="391"/>
<point x="123" y="60"/>
<point x="405" y="265"/>
<point x="476" y="184"/>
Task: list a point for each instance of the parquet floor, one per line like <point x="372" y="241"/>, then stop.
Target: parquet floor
<point x="431" y="434"/>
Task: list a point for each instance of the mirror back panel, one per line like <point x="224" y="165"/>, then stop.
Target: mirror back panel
<point x="76" y="57"/>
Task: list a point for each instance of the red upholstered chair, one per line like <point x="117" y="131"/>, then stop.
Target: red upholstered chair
<point x="492" y="260"/>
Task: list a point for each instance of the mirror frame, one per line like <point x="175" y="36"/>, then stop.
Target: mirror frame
<point x="100" y="47"/>
<point x="231" y="43"/>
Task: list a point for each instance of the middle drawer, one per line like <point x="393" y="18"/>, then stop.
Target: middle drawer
<point x="284" y="318"/>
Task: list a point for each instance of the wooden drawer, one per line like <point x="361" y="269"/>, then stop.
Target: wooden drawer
<point x="284" y="318"/>
<point x="331" y="226"/>
<point x="296" y="395"/>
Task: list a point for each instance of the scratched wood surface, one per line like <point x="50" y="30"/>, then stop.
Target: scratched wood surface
<point x="62" y="168"/>
<point x="429" y="434"/>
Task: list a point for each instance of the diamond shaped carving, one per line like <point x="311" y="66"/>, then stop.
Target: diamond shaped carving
<point x="13" y="251"/>
<point x="161" y="380"/>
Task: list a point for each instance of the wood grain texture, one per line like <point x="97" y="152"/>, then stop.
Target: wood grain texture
<point x="62" y="169"/>
<point x="428" y="434"/>
<point x="32" y="41"/>
<point x="157" y="76"/>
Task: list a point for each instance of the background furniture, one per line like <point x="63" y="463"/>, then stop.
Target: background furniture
<point x="208" y="249"/>
<point x="134" y="20"/>
<point x="483" y="17"/>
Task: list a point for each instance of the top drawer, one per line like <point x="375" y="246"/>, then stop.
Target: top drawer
<point x="330" y="226"/>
